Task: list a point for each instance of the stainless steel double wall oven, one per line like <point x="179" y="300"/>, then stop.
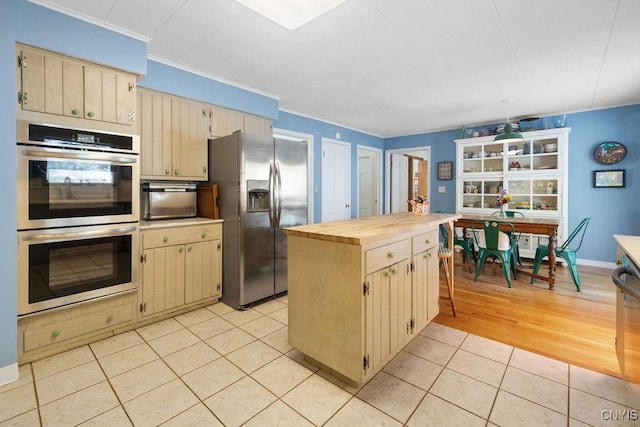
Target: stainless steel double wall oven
<point x="77" y="200"/>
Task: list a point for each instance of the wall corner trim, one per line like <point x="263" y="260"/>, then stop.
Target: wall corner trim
<point x="9" y="374"/>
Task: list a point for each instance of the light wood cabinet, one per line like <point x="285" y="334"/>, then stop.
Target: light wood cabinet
<point x="225" y="121"/>
<point x="173" y="137"/>
<point x="54" y="84"/>
<point x="258" y="125"/>
<point x="387" y="311"/>
<point x="359" y="290"/>
<point x="180" y="266"/>
<point x="59" y="330"/>
<point x="534" y="171"/>
<point x="425" y="278"/>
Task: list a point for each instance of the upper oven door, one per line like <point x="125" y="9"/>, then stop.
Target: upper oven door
<point x="66" y="187"/>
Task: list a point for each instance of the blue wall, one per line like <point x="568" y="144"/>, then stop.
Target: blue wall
<point x="613" y="210"/>
<point x="8" y="250"/>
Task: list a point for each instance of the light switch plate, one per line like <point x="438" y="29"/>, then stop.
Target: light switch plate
<point x="441" y="189"/>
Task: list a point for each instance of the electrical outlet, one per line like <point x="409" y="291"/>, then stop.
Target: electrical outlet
<point x="442" y="189"/>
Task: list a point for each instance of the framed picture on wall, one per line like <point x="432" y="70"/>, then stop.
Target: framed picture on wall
<point x="445" y="170"/>
<point x="609" y="178"/>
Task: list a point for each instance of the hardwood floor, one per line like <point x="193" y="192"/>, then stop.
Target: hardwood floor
<point x="575" y="327"/>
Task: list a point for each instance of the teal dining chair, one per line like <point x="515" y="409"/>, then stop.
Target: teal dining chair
<point x="466" y="243"/>
<point x="565" y="252"/>
<point x="494" y="242"/>
<point x="516" y="236"/>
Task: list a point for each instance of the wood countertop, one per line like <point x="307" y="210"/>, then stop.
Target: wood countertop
<point x="359" y="231"/>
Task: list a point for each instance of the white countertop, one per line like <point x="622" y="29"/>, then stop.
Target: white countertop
<point x="180" y="222"/>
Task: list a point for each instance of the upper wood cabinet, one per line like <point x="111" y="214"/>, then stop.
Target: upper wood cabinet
<point x="54" y="84"/>
<point x="173" y="137"/>
<point x="225" y="122"/>
<point x="257" y="124"/>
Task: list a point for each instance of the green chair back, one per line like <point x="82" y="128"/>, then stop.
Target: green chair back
<point x="492" y="232"/>
<point x="582" y="227"/>
<point x="509" y="214"/>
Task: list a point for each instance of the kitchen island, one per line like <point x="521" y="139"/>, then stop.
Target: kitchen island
<point x="360" y="289"/>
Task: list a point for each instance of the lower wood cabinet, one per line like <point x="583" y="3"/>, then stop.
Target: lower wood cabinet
<point x="180" y="266"/>
<point x="56" y="331"/>
<point x="352" y="307"/>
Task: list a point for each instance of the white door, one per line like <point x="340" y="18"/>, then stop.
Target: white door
<point x="399" y="183"/>
<point x="365" y="199"/>
<point x="336" y="180"/>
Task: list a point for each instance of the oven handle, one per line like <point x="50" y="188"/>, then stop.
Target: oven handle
<point x="83" y="156"/>
<point x="78" y="234"/>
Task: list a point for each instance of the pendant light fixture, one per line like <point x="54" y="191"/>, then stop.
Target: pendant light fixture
<point x="508" y="134"/>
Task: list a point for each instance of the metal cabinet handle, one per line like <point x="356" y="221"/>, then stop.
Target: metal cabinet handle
<point x="91" y="114"/>
<point x="55" y="333"/>
<point x="176" y="172"/>
<point x="387" y="274"/>
<point x="75" y="111"/>
<point x="427" y="241"/>
<point x="167" y="171"/>
<point x="165" y="239"/>
<point x="181" y="249"/>
<point x="189" y="248"/>
<point x="389" y="254"/>
<point x="394" y="271"/>
<point x="109" y="318"/>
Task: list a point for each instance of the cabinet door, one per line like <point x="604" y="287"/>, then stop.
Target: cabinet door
<point x="201" y="269"/>
<point x="189" y="131"/>
<point x="225" y="122"/>
<point x="41" y="80"/>
<point x="154" y="126"/>
<point x="425" y="287"/>
<point x="258" y="125"/>
<point x="72" y="89"/>
<point x="387" y="311"/>
<point x="97" y="90"/>
<point x="124" y="91"/>
<point x="163" y="276"/>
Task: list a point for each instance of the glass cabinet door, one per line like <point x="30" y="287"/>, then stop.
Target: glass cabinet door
<point x="482" y="193"/>
<point x="527" y="156"/>
<point x="539" y="194"/>
<point x="482" y="158"/>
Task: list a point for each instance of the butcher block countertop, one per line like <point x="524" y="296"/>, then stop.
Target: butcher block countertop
<point x="360" y="231"/>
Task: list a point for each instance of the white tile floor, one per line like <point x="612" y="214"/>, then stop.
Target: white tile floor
<point x="216" y="366"/>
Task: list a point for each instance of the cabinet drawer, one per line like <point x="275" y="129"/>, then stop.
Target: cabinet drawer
<point x="106" y="318"/>
<point x="180" y="235"/>
<point x="386" y="255"/>
<point x="424" y="241"/>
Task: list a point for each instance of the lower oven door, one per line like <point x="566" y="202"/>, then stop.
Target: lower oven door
<point x="57" y="267"/>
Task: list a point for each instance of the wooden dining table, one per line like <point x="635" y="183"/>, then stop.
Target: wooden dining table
<point x="544" y="226"/>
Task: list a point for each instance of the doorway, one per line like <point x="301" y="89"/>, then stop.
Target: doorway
<point x="336" y="180"/>
<point x="369" y="181"/>
<point x="398" y="191"/>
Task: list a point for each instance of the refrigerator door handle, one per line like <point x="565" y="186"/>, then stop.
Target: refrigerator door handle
<point x="272" y="197"/>
<point x="278" y="195"/>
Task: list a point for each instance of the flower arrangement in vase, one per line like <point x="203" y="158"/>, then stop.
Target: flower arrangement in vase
<point x="503" y="199"/>
<point x="420" y="205"/>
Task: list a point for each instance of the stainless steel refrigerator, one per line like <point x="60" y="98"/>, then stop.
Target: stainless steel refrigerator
<point x="262" y="187"/>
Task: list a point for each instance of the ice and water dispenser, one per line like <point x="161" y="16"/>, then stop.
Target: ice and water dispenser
<point x="257" y="195"/>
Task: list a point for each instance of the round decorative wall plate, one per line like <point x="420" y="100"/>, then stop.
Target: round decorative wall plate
<point x="609" y="153"/>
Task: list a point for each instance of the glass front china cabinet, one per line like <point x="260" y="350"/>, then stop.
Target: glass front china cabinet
<point x="534" y="171"/>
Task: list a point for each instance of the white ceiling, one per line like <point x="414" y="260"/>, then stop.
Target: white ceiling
<point x="399" y="67"/>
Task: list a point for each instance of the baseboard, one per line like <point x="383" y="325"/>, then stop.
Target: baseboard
<point x="9" y="374"/>
<point x="593" y="263"/>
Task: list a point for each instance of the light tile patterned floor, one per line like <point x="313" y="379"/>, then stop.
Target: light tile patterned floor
<point x="217" y="366"/>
